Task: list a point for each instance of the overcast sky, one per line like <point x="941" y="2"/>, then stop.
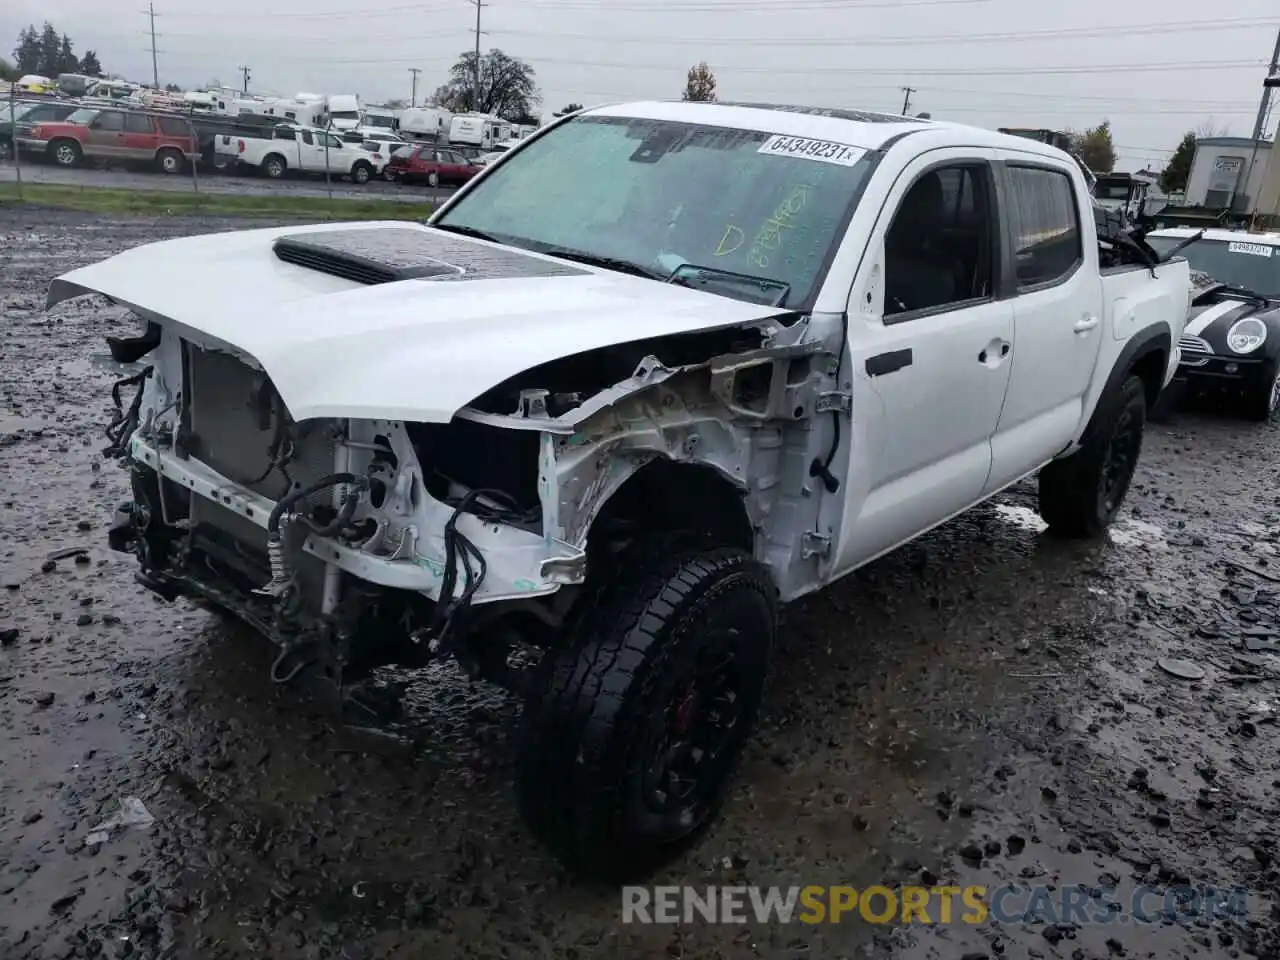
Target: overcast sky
<point x="987" y="62"/>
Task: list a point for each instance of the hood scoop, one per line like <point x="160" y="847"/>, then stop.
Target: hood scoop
<point x="368" y="256"/>
<point x="373" y="255"/>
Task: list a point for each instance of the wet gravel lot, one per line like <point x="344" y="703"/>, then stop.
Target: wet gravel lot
<point x="983" y="707"/>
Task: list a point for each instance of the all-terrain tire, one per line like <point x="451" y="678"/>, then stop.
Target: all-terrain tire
<point x="1081" y="495"/>
<point x="361" y="173"/>
<point x="633" y="683"/>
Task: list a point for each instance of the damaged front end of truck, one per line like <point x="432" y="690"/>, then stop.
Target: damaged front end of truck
<point x="355" y="533"/>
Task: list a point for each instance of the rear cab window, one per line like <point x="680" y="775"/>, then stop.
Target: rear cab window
<point x="1044" y="221"/>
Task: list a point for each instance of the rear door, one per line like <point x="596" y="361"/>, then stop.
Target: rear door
<point x="105" y="135"/>
<point x="930" y="339"/>
<point x="139" y="142"/>
<point x="1058" y="313"/>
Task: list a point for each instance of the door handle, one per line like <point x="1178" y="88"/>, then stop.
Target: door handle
<point x="1085" y="324"/>
<point x="883" y="363"/>
<point x="1004" y="352"/>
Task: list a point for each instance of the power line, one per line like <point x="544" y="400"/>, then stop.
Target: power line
<point x="658" y="6"/>
<point x="1083" y="33"/>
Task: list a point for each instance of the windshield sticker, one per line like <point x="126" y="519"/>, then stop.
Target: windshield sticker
<point x="825" y="151"/>
<point x="1256" y="249"/>
<point x="769" y="236"/>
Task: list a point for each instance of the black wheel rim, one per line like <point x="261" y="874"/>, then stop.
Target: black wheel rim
<point x="1121" y="459"/>
<point x="694" y="734"/>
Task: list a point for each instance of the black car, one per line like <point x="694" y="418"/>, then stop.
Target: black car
<point x="1232" y="339"/>
<point x="29" y="113"/>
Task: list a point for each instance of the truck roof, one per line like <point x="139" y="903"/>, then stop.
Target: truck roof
<point x="1271" y="239"/>
<point x="867" y="129"/>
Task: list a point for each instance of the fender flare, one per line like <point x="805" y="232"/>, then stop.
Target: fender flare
<point x="1156" y="338"/>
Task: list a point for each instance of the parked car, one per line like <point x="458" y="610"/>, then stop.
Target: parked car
<point x="382" y="149"/>
<point x="113" y="134"/>
<point x="622" y="436"/>
<point x="498" y="150"/>
<point x="28" y="114"/>
<point x="304" y="150"/>
<point x="1231" y="344"/>
<point x="434" y="166"/>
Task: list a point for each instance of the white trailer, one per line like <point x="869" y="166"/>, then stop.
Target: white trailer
<point x="478" y="130"/>
<point x="425" y="123"/>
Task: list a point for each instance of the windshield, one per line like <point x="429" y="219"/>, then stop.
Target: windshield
<point x="1111" y="191"/>
<point x="658" y="194"/>
<point x="1240" y="263"/>
<point x="383" y="122"/>
<point x="82" y="117"/>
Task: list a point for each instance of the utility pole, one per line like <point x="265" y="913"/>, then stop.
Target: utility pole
<point x="475" y="95"/>
<point x="245" y="72"/>
<point x="155" y="62"/>
<point x="906" y="100"/>
<point x="413" y="96"/>
<point x="1259" y="125"/>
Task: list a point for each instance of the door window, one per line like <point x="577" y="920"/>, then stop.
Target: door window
<point x="109" y="121"/>
<point x="939" y="246"/>
<point x="304" y="135"/>
<point x="1045" y="218"/>
<point x="137" y="123"/>
<point x="173" y="127"/>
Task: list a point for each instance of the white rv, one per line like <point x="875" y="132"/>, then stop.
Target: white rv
<point x="380" y="120"/>
<point x="478" y="130"/>
<point x="425" y="123"/>
<point x="342" y="110"/>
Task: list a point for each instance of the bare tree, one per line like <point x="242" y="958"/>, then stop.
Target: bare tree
<point x="1211" y="128"/>
<point x="700" y="85"/>
<point x="508" y="87"/>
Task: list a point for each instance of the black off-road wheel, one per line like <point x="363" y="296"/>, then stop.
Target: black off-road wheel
<point x="1082" y="494"/>
<point x="633" y="729"/>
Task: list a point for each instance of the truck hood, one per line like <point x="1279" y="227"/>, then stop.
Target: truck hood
<point x="402" y="322"/>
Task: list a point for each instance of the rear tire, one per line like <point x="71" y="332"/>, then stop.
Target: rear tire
<point x="1081" y="495"/>
<point x="633" y="728"/>
<point x="273" y="166"/>
<point x="66" y="153"/>
<point x="361" y="173"/>
<point x="170" y="161"/>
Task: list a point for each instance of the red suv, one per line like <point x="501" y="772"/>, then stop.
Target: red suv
<point x="426" y="163"/>
<point x="168" y="142"/>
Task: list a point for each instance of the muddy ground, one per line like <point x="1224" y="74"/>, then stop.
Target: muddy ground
<point x="982" y="707"/>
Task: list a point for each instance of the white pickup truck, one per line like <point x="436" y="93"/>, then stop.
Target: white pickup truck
<point x="301" y="149"/>
<point x="658" y="370"/>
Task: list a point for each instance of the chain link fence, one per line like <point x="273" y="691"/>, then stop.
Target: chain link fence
<point x="202" y="179"/>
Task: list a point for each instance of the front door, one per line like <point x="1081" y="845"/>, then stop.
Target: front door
<point x="1057" y="315"/>
<point x="929" y="347"/>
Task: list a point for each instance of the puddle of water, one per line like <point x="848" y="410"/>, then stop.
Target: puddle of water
<point x="1136" y="533"/>
<point x="12" y="423"/>
<point x="1024" y="518"/>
